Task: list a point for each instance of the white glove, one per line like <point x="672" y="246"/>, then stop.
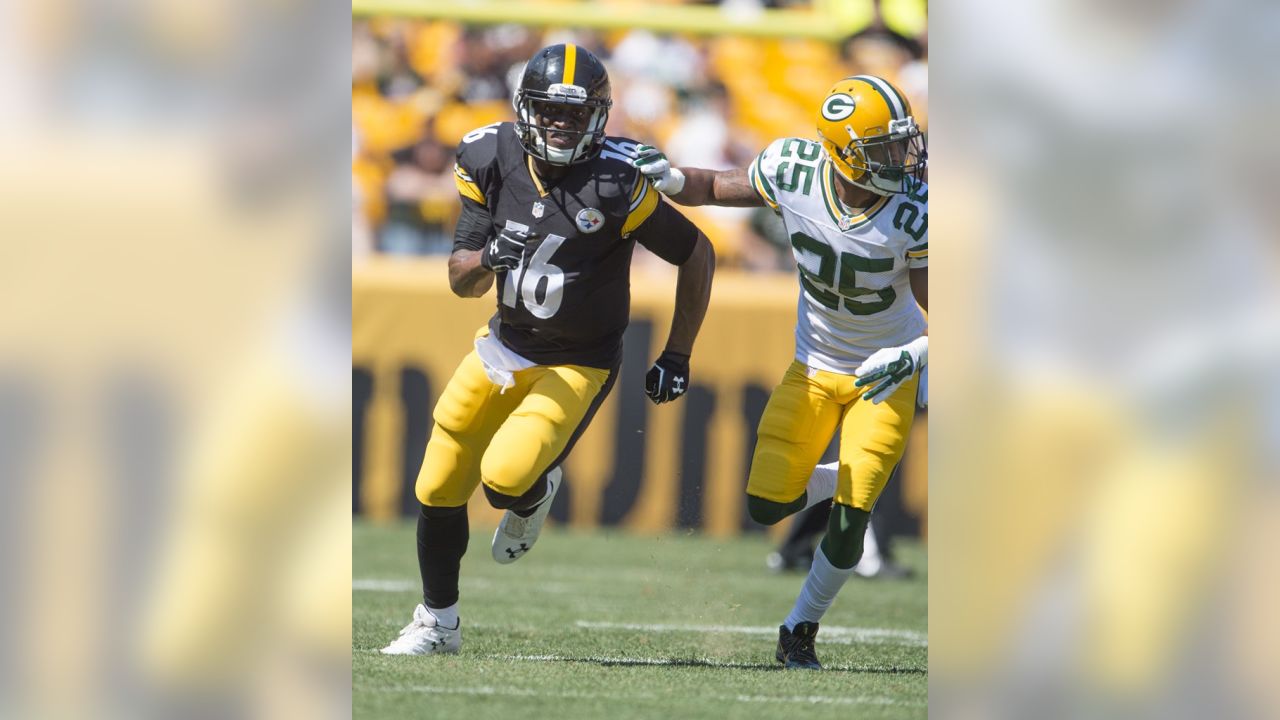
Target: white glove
<point x="887" y="369"/>
<point x="655" y="166"/>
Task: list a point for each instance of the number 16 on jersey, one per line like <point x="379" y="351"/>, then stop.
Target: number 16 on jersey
<point x="535" y="277"/>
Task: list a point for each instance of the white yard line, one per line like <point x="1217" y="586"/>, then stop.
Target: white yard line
<point x="834" y="633"/>
<point x="374" y="585"/>
<point x="830" y="633"/>
<point x="520" y="692"/>
<point x="378" y="585"/>
<point x="489" y="690"/>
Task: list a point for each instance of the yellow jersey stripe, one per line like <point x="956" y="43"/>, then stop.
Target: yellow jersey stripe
<point x="918" y="253"/>
<point x="637" y="197"/>
<point x="528" y="161"/>
<point x="570" y="60"/>
<point x="457" y="170"/>
<point x="468" y="189"/>
<point x="836" y="210"/>
<point x="827" y="183"/>
<point x="648" y="203"/>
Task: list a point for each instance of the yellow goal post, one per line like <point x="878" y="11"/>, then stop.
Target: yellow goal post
<point x="829" y="20"/>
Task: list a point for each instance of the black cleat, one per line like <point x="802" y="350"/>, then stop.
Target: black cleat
<point x="795" y="647"/>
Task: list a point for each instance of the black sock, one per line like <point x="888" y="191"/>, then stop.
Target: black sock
<point x="442" y="541"/>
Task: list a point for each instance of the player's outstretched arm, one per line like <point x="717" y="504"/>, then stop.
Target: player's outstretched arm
<point x="668" y="379"/>
<point x="696" y="186"/>
<point x="731" y="188"/>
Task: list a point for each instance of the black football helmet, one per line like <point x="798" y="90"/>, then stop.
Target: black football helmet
<point x="562" y="105"/>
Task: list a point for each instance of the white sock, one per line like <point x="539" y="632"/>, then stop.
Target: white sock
<point x="822" y="484"/>
<point x="820" y="588"/>
<point x="446" y="617"/>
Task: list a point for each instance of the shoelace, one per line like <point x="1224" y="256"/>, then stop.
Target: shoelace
<point x="416" y="624"/>
<point x="413" y="625"/>
<point x="804" y="648"/>
<point x="516" y="525"/>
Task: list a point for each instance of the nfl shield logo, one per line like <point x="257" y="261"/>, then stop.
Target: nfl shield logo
<point x="846" y="222"/>
<point x="537" y="209"/>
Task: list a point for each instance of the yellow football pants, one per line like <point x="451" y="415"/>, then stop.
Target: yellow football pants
<point x="506" y="440"/>
<point x="798" y="423"/>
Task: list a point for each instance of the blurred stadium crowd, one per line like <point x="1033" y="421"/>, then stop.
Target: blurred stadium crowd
<point x="418" y="86"/>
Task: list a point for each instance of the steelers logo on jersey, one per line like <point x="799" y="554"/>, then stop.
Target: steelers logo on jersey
<point x="589" y="220"/>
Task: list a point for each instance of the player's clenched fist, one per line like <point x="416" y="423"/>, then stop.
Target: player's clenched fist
<point x="506" y="250"/>
<point x="668" y="379"/>
<point x="655" y="166"/>
<point x="887" y="369"/>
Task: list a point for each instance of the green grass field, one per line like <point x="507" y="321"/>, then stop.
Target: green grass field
<point x="616" y="626"/>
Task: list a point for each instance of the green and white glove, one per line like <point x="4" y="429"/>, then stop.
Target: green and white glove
<point x="655" y="166"/>
<point x="887" y="369"/>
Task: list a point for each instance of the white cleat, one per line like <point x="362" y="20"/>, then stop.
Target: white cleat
<point x="516" y="535"/>
<point x="424" y="637"/>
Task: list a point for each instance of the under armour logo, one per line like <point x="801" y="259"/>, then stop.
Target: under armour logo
<point x="678" y="385"/>
<point x="517" y="552"/>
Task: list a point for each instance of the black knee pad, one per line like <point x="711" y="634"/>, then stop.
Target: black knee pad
<point x="440" y="512"/>
<point x="845" y="530"/>
<point x="499" y="500"/>
<point x="531" y="497"/>
<point x="768" y="512"/>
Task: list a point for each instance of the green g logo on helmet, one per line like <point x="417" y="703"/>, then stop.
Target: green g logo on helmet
<point x="837" y="107"/>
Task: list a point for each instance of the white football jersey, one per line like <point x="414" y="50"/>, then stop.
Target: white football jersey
<point x="855" y="295"/>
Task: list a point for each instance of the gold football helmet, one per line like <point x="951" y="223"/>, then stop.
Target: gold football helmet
<point x="867" y="130"/>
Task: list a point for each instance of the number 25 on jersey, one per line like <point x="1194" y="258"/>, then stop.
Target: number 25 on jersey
<point x="821" y="281"/>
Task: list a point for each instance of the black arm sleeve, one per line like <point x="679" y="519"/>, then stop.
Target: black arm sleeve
<point x="670" y="235"/>
<point x="475" y="226"/>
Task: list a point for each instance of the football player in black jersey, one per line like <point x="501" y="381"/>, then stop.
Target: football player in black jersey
<point x="551" y="211"/>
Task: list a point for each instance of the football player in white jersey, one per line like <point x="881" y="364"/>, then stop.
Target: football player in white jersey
<point x="855" y="206"/>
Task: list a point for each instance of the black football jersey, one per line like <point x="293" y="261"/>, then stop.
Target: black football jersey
<point x="569" y="301"/>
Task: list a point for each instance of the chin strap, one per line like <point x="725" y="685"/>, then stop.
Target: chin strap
<point x="576" y="152"/>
